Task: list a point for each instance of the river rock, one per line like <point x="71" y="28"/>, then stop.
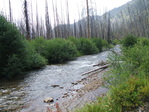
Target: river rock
<point x="61" y="87"/>
<point x="74" y="83"/>
<point x="48" y="100"/>
<point x="54" y="86"/>
<point x="65" y="95"/>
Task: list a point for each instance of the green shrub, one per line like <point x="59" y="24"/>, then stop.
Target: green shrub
<point x="128" y="80"/>
<point x="12" y="50"/>
<point x="143" y="41"/>
<point x="13" y="68"/>
<point x="105" y="44"/>
<point x="60" y="50"/>
<point x="41" y="46"/>
<point x="33" y="59"/>
<point x="103" y="104"/>
<point x="129" y="41"/>
<point x="121" y="98"/>
<point x="137" y="58"/>
<point x="87" y="47"/>
<point x="115" y="41"/>
<point x="145" y="93"/>
<point x="77" y="43"/>
<point x="98" y="43"/>
<point x="129" y="94"/>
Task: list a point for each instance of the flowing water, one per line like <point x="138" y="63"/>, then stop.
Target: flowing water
<point x="27" y="95"/>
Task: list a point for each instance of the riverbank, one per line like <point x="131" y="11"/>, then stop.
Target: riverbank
<point x="128" y="80"/>
<point x="83" y="91"/>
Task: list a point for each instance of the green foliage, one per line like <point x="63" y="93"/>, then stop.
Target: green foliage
<point x="33" y="59"/>
<point x="41" y="46"/>
<point x="16" y="54"/>
<point x="137" y="58"/>
<point x="87" y="47"/>
<point x="60" y="50"/>
<point x="77" y="43"/>
<point x="115" y="41"/>
<point x="129" y="41"/>
<point x="98" y="42"/>
<point x="130" y="93"/>
<point x="143" y="41"/>
<point x="105" y="44"/>
<point x="128" y="80"/>
<point x="103" y="104"/>
<point x="134" y="61"/>
<point x="12" y="49"/>
<point x="13" y="68"/>
<point x="145" y="93"/>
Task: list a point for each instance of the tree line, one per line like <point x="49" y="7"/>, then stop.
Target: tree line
<point x="130" y="19"/>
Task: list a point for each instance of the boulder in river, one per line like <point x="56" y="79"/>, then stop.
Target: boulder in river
<point x="48" y="100"/>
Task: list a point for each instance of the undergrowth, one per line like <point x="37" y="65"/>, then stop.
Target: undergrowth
<point x="128" y="79"/>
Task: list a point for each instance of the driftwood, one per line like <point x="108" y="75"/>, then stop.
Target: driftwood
<point x="102" y="63"/>
<point x="100" y="68"/>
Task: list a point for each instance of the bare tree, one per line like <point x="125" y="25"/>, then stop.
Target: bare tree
<point x="75" y="32"/>
<point x="32" y="26"/>
<point x="37" y="21"/>
<point x="10" y="11"/>
<point x="26" y="15"/>
<point x="68" y="21"/>
<point x="88" y="19"/>
<point x="48" y="25"/>
<point x="109" y="28"/>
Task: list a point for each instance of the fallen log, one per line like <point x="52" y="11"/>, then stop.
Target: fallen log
<point x="95" y="70"/>
<point x="101" y="64"/>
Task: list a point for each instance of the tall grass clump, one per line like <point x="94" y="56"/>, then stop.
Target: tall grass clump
<point x="60" y="50"/>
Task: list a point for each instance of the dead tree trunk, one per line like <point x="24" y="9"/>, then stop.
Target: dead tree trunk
<point x="88" y="20"/>
<point x="10" y="11"/>
<point x="26" y="19"/>
<point x="48" y="25"/>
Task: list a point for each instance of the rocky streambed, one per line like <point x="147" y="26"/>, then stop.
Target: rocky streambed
<point x="92" y="88"/>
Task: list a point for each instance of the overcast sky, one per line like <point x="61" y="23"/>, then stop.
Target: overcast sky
<point x="75" y="7"/>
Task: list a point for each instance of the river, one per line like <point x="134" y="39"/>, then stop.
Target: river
<point x="27" y="95"/>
